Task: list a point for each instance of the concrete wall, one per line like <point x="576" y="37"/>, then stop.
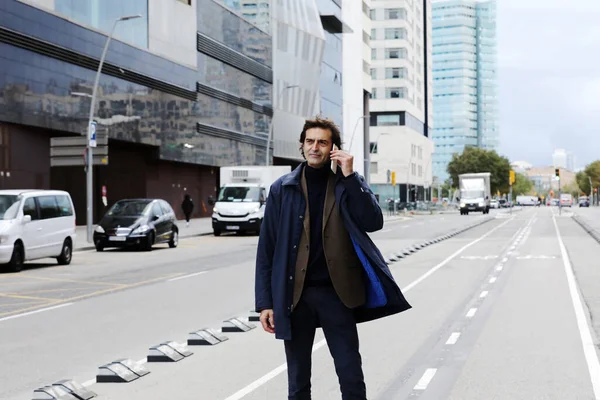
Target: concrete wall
<point x="172" y="27"/>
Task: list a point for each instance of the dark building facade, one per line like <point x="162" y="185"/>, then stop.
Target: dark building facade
<point x="171" y="123"/>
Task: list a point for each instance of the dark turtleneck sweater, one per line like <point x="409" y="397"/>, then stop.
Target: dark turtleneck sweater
<point x="317" y="273"/>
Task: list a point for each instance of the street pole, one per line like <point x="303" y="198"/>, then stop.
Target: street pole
<point x="273" y="122"/>
<point x="89" y="151"/>
<point x="510" y="198"/>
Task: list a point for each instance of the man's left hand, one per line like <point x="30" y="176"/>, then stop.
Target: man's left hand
<point x="344" y="160"/>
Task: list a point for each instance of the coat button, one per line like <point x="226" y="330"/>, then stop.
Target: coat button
<point x="295" y="246"/>
<point x="303" y="270"/>
<point x="300" y="216"/>
<point x="291" y="277"/>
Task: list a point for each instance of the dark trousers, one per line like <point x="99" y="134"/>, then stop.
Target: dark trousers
<point x="322" y="305"/>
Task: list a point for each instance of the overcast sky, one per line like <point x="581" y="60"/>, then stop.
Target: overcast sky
<point x="549" y="79"/>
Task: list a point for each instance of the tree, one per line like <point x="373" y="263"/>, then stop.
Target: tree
<point x="583" y="182"/>
<point x="523" y="185"/>
<point x="476" y="160"/>
<point x="571" y="188"/>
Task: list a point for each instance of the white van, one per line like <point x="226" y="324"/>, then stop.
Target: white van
<point x="36" y="224"/>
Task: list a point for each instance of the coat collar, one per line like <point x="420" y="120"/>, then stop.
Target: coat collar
<point x="294" y="177"/>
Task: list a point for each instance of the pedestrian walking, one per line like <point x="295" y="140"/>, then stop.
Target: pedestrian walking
<point x="317" y="267"/>
<point x="187" y="206"/>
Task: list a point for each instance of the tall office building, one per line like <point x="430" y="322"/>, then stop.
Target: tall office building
<point x="357" y="63"/>
<point x="464" y="79"/>
<point x="400" y="99"/>
<point x="562" y="158"/>
<point x="185" y="88"/>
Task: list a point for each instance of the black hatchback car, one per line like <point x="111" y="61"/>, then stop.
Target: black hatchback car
<point x="137" y="222"/>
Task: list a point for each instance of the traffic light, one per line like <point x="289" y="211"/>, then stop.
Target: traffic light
<point x="512" y="177"/>
<point x="393" y="178"/>
<point x="557" y="172"/>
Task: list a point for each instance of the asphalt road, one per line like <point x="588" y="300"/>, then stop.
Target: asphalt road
<point x="496" y="315"/>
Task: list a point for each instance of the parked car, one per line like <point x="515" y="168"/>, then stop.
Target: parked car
<point x="584" y="201"/>
<point x="137" y="222"/>
<point x="36" y="224"/>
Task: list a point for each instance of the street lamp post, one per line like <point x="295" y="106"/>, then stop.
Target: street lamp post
<point x="273" y="122"/>
<point x="89" y="153"/>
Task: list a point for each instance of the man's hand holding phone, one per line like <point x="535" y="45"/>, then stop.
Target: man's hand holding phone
<point x="343" y="159"/>
<point x="267" y="321"/>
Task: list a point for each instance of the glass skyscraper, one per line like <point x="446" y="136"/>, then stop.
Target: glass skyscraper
<point x="464" y="79"/>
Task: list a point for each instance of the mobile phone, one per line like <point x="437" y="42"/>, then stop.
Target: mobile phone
<point x="334" y="164"/>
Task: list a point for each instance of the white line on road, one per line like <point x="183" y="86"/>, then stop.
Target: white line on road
<point x="483" y="294"/>
<point x="471" y="312"/>
<point x="425" y="379"/>
<point x="186" y="276"/>
<point x="261" y="381"/>
<point x="499" y="268"/>
<point x="35" y="312"/>
<point x="453" y="338"/>
<point x="505" y="259"/>
<point x="589" y="350"/>
<point x="492" y="279"/>
<point x="264" y="379"/>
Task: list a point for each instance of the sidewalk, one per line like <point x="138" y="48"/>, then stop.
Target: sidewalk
<point x="198" y="227"/>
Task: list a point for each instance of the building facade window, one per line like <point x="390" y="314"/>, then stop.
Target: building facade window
<point x="395" y="33"/>
<point x="396" y="73"/>
<point x="396" y="93"/>
<point x="395" y="13"/>
<point x="388" y="120"/>
<point x="394" y="53"/>
<point x="103" y="14"/>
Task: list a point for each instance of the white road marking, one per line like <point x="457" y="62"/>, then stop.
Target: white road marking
<point x="274" y="373"/>
<point x="589" y="349"/>
<point x="509" y="253"/>
<point x="34" y="312"/>
<point x="186" y="276"/>
<point x="471" y="312"/>
<point x="505" y="259"/>
<point x="483" y="294"/>
<point x="493" y="279"/>
<point x="261" y="381"/>
<point x="453" y="338"/>
<point x="425" y="379"/>
<point x="499" y="268"/>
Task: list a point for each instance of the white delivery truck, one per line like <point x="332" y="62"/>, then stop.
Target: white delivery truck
<point x="474" y="192"/>
<point x="240" y="205"/>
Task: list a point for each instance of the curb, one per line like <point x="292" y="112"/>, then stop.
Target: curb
<point x="591" y="231"/>
<point x="419" y="246"/>
<point x="90" y="247"/>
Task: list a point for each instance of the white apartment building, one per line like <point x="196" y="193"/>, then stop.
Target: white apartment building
<point x="401" y="98"/>
<point x="356" y="63"/>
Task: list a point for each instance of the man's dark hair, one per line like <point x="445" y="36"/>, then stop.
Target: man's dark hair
<point x="323" y="123"/>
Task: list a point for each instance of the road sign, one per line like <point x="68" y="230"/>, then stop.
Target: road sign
<point x="78" y="141"/>
<point x="76" y="151"/>
<point x="71" y="150"/>
<point x="76" y="161"/>
<point x="93" y="134"/>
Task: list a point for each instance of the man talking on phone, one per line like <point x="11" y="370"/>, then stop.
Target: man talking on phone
<point x="317" y="267"/>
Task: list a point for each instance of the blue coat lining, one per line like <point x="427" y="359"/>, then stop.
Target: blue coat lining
<point x="375" y="293"/>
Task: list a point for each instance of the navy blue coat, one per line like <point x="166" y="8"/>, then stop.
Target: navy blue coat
<point x="279" y="237"/>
